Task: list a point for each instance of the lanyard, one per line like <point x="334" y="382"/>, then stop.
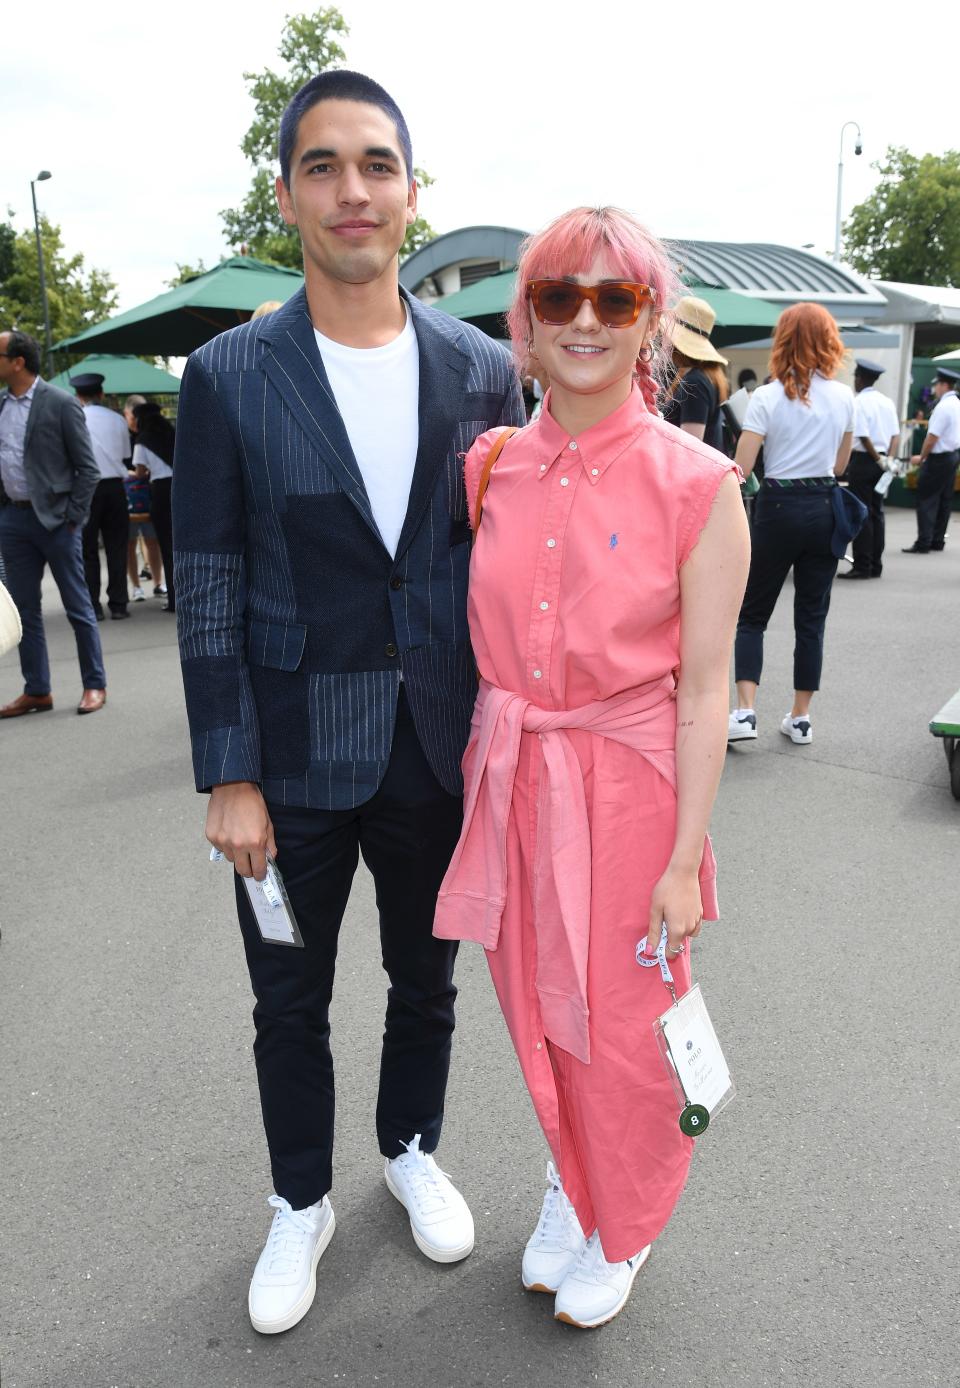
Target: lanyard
<point x="659" y="957"/>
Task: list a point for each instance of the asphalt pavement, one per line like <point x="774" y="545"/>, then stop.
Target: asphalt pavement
<point x="816" y="1243"/>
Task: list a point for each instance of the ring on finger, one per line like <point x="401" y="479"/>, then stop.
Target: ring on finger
<point x="678" y="949"/>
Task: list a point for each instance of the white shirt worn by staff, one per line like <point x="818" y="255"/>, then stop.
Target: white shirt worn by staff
<point x="944" y="422"/>
<point x="110" y="438"/>
<point x="876" y="419"/>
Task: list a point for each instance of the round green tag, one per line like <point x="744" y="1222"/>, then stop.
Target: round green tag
<point x="694" y="1120"/>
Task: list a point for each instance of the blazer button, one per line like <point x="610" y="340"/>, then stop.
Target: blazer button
<point x="390" y="649"/>
<point x="396" y="582"/>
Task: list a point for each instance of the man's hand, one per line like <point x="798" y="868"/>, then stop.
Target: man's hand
<point x="239" y="826"/>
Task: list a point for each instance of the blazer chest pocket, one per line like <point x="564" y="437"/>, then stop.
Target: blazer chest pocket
<point x="281" y="692"/>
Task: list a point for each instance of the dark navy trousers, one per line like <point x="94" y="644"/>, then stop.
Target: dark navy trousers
<point x="791" y="529"/>
<point x="27" y="548"/>
<point x="406" y="833"/>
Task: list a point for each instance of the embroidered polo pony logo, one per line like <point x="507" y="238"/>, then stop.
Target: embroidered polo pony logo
<point x="614" y="541"/>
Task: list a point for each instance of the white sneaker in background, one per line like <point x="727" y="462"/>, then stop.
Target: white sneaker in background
<point x="555" y="1244"/>
<point x="442" y="1224"/>
<point x="797" y="729"/>
<point x="594" y="1291"/>
<point x="741" y="725"/>
<point x="139" y="595"/>
<point x="284" y="1281"/>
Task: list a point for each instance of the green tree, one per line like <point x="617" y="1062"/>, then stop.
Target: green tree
<point x="76" y="297"/>
<point x="309" y="44"/>
<point x="909" y="228"/>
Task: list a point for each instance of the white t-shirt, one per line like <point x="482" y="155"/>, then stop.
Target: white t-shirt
<point x="945" y="423"/>
<point x="801" y="438"/>
<point x="377" y="390"/>
<point x="156" y="467"/>
<point x="875" y="419"/>
<point x="110" y="438"/>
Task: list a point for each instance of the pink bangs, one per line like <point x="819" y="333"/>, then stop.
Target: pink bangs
<point x="569" y="246"/>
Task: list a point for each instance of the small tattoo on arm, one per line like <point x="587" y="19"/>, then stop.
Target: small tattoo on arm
<point x="687" y="724"/>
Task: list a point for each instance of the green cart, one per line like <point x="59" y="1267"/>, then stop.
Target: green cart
<point x="946" y="724"/>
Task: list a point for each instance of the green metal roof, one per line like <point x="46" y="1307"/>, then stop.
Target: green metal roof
<point x="173" y="324"/>
<point x="123" y="376"/>
<point x="738" y="316"/>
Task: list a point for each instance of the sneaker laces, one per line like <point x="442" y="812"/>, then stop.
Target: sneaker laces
<point x="424" y="1177"/>
<point x="285" y="1244"/>
<point x="555" y="1214"/>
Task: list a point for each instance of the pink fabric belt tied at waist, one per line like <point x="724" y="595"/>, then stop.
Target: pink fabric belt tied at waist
<point x="471" y="900"/>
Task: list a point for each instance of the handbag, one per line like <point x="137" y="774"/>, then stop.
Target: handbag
<point x="488" y="466"/>
<point x="11" y="630"/>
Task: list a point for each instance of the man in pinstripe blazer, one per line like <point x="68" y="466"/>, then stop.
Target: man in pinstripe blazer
<point x="322" y="546"/>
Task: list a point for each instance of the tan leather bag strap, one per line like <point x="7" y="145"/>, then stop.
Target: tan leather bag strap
<point x="488" y="467"/>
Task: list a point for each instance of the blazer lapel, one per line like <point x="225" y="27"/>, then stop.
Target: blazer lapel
<point x="442" y="370"/>
<point x="36" y="406"/>
<point x="294" y="365"/>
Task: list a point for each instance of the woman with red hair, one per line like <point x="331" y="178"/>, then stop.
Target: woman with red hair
<point x="604" y="586"/>
<point x="803" y="419"/>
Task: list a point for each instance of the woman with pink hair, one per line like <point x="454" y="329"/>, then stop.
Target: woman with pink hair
<point x="605" y="583"/>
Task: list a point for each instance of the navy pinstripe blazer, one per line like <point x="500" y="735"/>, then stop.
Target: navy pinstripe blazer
<point x="295" y="622"/>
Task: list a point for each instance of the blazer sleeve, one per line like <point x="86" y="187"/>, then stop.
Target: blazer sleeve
<point x="513" y="413"/>
<point x="209" y="542"/>
<point x="79" y="451"/>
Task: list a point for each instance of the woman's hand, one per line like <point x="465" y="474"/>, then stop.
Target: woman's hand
<point x="676" y="900"/>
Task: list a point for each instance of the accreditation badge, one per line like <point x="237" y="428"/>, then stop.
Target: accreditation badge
<point x="272" y="910"/>
<point x="690" y="1049"/>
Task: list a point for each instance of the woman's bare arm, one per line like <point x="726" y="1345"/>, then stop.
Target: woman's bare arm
<point x="711" y="589"/>
<point x="748" y="451"/>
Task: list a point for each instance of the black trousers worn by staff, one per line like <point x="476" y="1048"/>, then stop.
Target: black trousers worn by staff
<point x="792" y="528"/>
<point x="406" y="833"/>
<point x="862" y="477"/>
<point x="935" y="487"/>
<point x="108" y="517"/>
<point x="163" y="525"/>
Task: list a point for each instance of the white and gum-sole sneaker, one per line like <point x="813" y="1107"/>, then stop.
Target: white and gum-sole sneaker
<point x="587" y="1314"/>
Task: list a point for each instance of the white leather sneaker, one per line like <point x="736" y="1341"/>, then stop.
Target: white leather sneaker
<point x="284" y="1281"/>
<point x="555" y="1244"/>
<point x="741" y="725"/>
<point x="594" y="1291"/>
<point x="442" y="1224"/>
<point x="798" y="730"/>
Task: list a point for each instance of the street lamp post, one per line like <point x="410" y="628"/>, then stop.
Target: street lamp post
<point x="41" y="177"/>
<point x="857" y="149"/>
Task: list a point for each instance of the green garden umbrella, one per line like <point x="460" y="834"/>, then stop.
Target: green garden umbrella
<point x="174" y="324"/>
<point x="122" y="376"/>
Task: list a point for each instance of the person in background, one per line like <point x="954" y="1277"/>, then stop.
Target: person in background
<point x="699" y="386"/>
<point x="604" y="586"/>
<point x="938" y="459"/>
<point x="153" y="458"/>
<point x="876" y="434"/>
<point x="47" y="476"/>
<point x="803" y="420"/>
<point x="740" y="399"/>
<point x="268" y="306"/>
<point x="108" y="509"/>
<point x="142" y="530"/>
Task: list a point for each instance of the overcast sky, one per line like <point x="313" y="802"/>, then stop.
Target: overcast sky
<point x="708" y="129"/>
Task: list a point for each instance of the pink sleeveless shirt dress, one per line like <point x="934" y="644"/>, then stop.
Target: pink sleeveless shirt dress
<point x="570" y="810"/>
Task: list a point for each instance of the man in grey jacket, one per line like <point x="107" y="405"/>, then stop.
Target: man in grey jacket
<point x="47" y="478"/>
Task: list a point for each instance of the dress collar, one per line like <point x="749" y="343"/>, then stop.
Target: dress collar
<point x="597" y="447"/>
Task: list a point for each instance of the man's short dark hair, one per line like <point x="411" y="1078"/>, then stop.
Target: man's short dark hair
<point x="339" y="85"/>
<point x="745" y="375"/>
<point x="23" y="345"/>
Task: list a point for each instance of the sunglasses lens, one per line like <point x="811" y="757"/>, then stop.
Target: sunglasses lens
<point x="617" y="306"/>
<point x="558" y="303"/>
